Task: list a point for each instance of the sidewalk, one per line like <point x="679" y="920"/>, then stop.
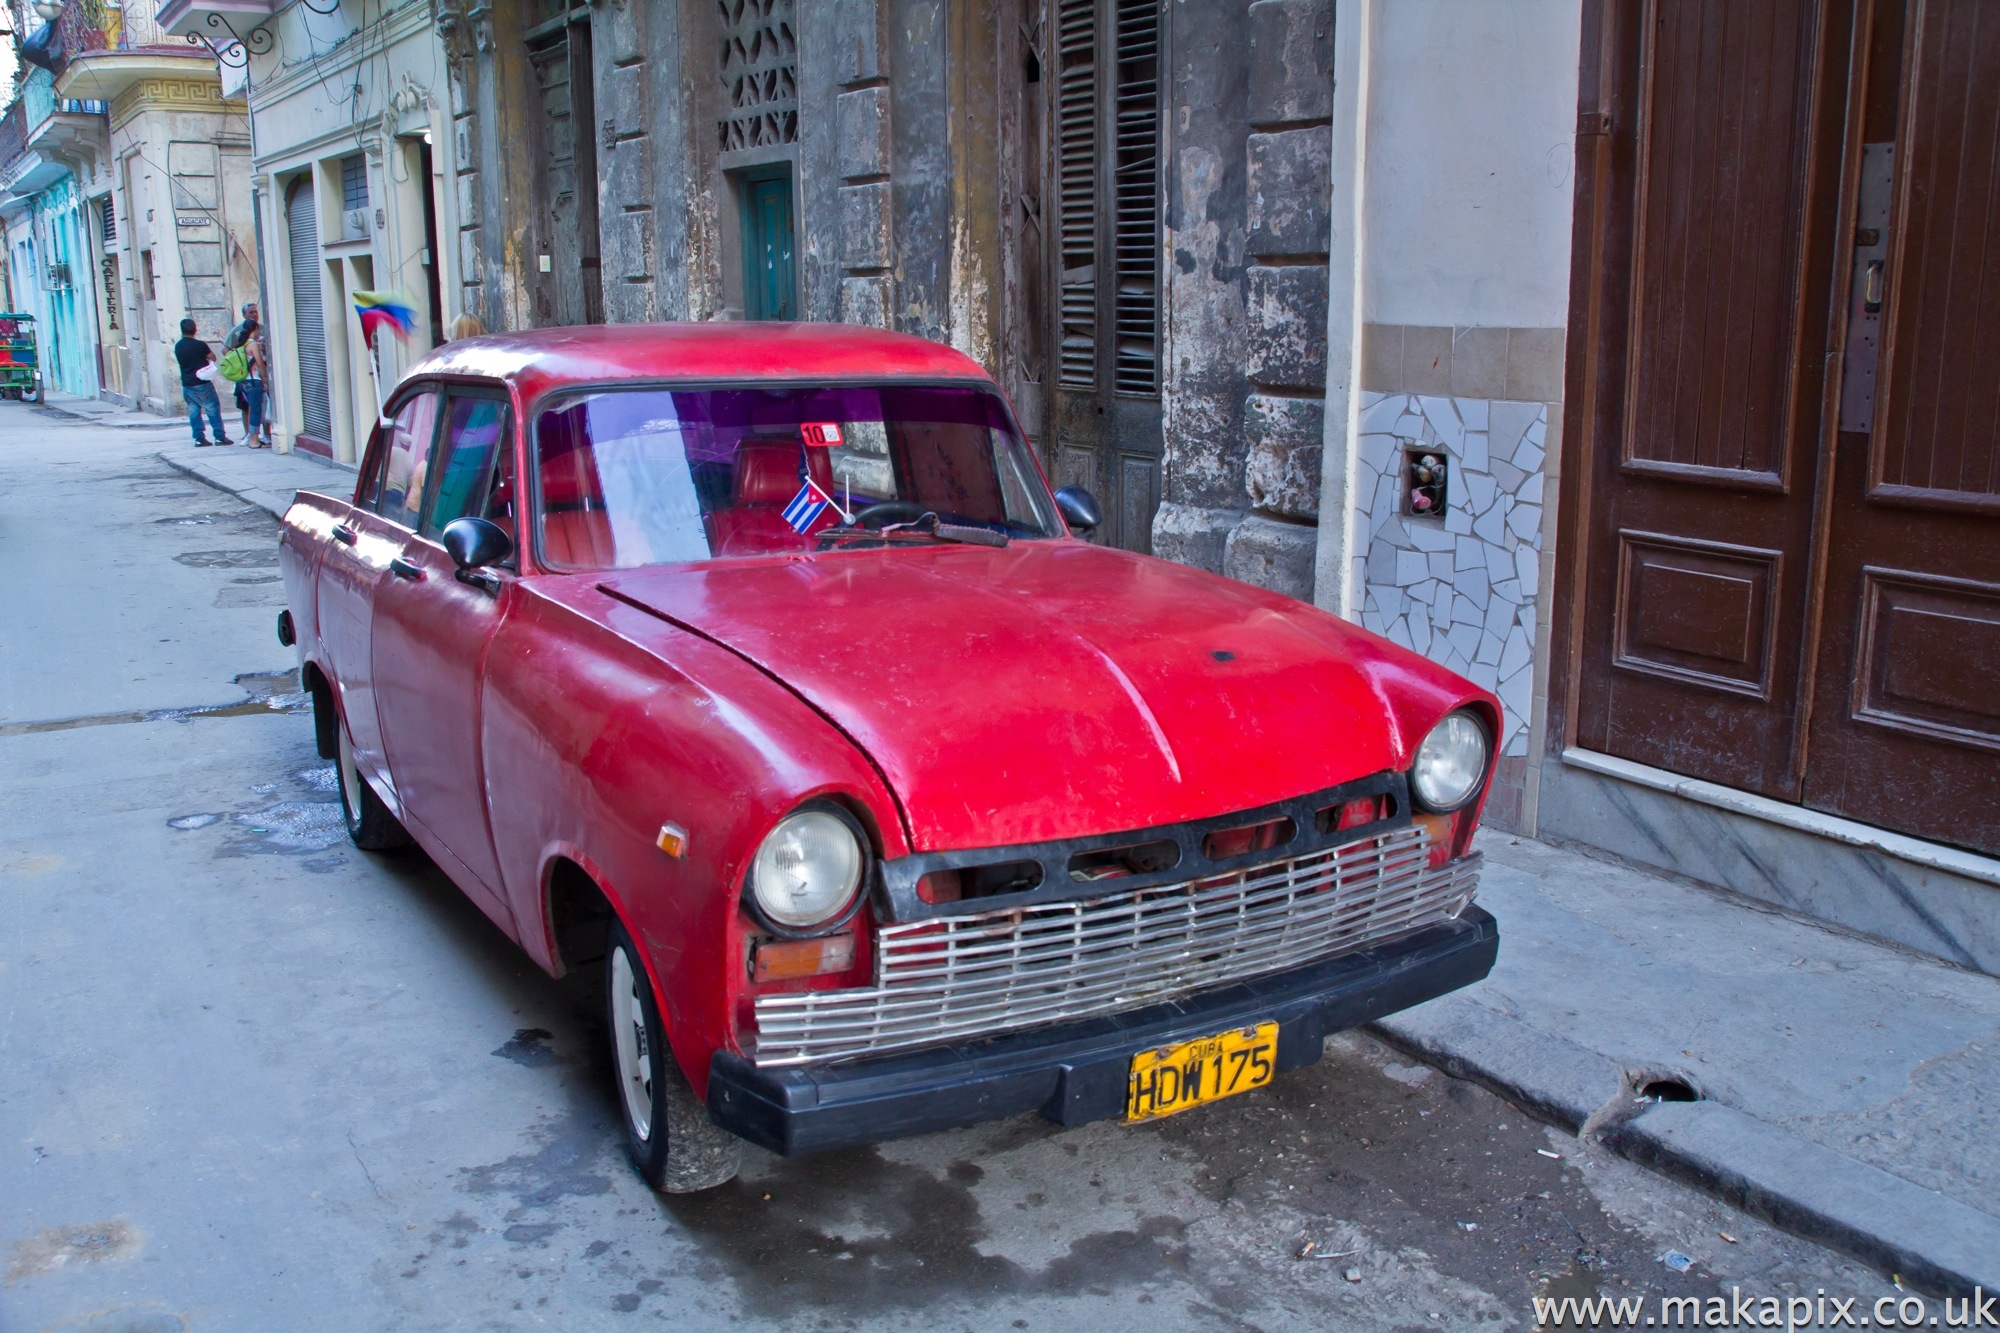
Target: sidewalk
<point x="97" y="412"/>
<point x="1848" y="1090"/>
<point x="1847" y="1087"/>
<point x="266" y="479"/>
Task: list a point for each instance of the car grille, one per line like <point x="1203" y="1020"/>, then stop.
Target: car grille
<point x="986" y="973"/>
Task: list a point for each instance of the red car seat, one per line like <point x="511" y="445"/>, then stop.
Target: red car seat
<point x="765" y="479"/>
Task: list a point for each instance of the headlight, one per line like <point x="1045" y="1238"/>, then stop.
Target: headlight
<point x="1450" y="763"/>
<point x="808" y="870"/>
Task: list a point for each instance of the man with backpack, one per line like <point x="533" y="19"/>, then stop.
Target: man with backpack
<point x="195" y="358"/>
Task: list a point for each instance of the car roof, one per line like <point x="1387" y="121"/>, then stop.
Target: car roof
<point x="541" y="360"/>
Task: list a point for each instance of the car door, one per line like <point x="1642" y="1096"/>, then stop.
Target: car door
<point x="431" y="636"/>
<point x="357" y="565"/>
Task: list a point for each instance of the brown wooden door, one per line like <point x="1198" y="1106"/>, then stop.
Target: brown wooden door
<point x="1718" y="230"/>
<point x="1906" y="713"/>
<point x="1791" y="393"/>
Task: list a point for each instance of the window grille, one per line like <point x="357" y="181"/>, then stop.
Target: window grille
<point x="353" y="182"/>
<point x="760" y="58"/>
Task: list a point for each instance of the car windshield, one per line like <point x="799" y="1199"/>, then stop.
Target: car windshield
<point x="649" y="476"/>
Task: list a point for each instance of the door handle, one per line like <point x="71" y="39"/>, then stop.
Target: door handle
<point x="344" y="534"/>
<point x="1871" y="288"/>
<point x="404" y="569"/>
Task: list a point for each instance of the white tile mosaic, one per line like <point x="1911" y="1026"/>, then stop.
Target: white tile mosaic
<point x="1461" y="590"/>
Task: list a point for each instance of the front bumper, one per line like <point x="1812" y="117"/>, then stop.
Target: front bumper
<point x="1076" y="1072"/>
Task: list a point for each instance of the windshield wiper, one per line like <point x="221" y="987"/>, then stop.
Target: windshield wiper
<point x="929" y="526"/>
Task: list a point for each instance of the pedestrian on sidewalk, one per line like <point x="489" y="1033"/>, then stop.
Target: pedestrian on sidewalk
<point x="196" y="356"/>
<point x="249" y="335"/>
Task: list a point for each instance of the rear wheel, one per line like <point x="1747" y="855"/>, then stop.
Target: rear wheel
<point x="667" y="1131"/>
<point x="369" y="823"/>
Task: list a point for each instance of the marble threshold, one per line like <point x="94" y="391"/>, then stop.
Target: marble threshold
<point x="1916" y="851"/>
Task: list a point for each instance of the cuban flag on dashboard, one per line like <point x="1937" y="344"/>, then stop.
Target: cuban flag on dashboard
<point x="805" y="507"/>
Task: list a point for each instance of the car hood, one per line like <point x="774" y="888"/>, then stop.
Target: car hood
<point x="1055" y="689"/>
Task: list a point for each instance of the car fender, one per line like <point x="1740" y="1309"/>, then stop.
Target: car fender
<point x="601" y="724"/>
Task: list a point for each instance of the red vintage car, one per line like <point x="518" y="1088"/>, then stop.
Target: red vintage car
<point x="758" y="664"/>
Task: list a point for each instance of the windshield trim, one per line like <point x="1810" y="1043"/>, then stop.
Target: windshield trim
<point x="559" y="397"/>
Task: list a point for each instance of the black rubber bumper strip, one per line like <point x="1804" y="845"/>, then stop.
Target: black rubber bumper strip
<point x="1074" y="1073"/>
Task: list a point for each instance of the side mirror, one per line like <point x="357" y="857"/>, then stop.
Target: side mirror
<point x="1079" y="509"/>
<point x="474" y="543"/>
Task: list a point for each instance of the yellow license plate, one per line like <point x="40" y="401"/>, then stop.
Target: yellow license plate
<point x="1173" y="1078"/>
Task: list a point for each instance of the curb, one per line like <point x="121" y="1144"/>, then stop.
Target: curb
<point x="1935" y="1244"/>
<point x="250" y="494"/>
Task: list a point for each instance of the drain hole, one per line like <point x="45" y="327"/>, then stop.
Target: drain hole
<point x="1668" y="1090"/>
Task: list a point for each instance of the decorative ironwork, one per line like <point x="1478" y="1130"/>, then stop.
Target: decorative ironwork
<point x="760" y="59"/>
<point x="237" y="50"/>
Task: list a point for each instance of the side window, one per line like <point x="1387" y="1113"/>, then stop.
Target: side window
<point x="406" y="460"/>
<point x="475" y="437"/>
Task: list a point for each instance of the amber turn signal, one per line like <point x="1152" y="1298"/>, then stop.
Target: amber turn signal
<point x="673" y="840"/>
<point x="788" y="960"/>
<point x="1443" y="834"/>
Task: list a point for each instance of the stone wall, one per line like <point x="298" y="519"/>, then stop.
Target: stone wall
<point x="1246" y="289"/>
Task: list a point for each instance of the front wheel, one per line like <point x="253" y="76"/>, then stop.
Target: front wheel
<point x="369" y="823"/>
<point x="667" y="1131"/>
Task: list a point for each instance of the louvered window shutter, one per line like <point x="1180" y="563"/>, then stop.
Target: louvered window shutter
<point x="1076" y="201"/>
<point x="1135" y="221"/>
<point x="1125" y="62"/>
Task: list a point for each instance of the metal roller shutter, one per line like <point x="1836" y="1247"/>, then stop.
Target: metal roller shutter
<point x="309" y="318"/>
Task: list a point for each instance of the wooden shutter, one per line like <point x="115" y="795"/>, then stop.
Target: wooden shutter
<point x="1076" y="192"/>
<point x="1108" y="176"/>
<point x="1135" y="220"/>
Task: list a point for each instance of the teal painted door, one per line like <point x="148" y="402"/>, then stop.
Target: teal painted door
<point x="767" y="248"/>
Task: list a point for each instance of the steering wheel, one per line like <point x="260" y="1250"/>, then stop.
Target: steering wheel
<point x="889" y="511"/>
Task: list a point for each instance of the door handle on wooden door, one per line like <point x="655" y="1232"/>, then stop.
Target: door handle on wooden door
<point x="1870" y="276"/>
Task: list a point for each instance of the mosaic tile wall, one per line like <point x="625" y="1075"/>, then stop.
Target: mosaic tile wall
<point x="1460" y="588"/>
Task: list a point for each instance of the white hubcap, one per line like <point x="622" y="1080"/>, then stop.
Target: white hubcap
<point x="629" y="1038"/>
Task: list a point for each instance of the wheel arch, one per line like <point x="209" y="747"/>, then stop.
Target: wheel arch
<point x="326" y="715"/>
<point x="579" y="903"/>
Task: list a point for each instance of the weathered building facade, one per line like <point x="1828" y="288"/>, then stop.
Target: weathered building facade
<point x="1122" y="218"/>
<point x="131" y="206"/>
<point x="351" y="160"/>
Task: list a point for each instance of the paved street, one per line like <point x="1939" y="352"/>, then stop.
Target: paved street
<point x="252" y="1078"/>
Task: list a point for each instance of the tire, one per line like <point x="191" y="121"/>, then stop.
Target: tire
<point x="369" y="824"/>
<point x="667" y="1132"/>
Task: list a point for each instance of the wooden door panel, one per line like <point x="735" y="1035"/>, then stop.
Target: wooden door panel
<point x="1697" y="612"/>
<point x="1726" y="104"/>
<point x="1936" y="441"/>
<point x="1929" y="652"/>
<point x="1906" y="720"/>
<point x="1718" y="230"/>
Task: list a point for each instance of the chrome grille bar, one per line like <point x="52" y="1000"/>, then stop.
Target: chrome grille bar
<point x="986" y="973"/>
